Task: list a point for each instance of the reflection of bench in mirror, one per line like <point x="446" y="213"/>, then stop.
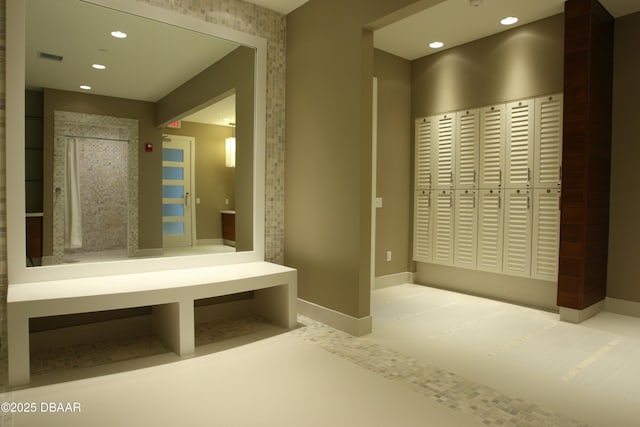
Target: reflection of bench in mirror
<point x="171" y="294"/>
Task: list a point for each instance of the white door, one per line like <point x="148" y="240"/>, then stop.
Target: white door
<point x="443" y="229"/>
<point x="423" y="152"/>
<point x="548" y="147"/>
<point x="466" y="233"/>
<point x="546" y="234"/>
<point x="467" y="147"/>
<point x="490" y="227"/>
<point x="422" y="226"/>
<point x="519" y="144"/>
<point x="492" y="131"/>
<point x="444" y="153"/>
<point x="177" y="204"/>
<point x="517" y="233"/>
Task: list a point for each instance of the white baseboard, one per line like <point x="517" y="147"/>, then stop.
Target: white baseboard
<point x="578" y="316"/>
<point x="621" y="306"/>
<point x="393" y="280"/>
<point x="335" y="319"/>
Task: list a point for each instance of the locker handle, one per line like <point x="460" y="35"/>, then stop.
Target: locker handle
<point x="499" y="201"/>
<point x="451" y="177"/>
<point x="450" y="201"/>
<point x="473" y="198"/>
<point x="528" y="202"/>
<point x="528" y="176"/>
<point x="560" y="175"/>
<point x="474" y="176"/>
<point x="500" y="177"/>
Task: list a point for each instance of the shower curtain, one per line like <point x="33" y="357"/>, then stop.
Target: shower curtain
<point x="72" y="210"/>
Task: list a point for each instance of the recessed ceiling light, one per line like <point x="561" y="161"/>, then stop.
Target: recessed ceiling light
<point x="227" y="119"/>
<point x="436" y="45"/>
<point x="99" y="66"/>
<point x="509" y="20"/>
<point x="119" y="34"/>
<point x="85" y="87"/>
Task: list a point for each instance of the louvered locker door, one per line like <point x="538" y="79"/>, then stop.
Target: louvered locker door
<point x="517" y="233"/>
<point x="466" y="229"/>
<point x="423" y="153"/>
<point x="548" y="146"/>
<point x="490" y="227"/>
<point x="546" y="234"/>
<point x="492" y="133"/>
<point x="466" y="149"/>
<point x="422" y="227"/>
<point x="519" y="143"/>
<point x="443" y="229"/>
<point x="444" y="154"/>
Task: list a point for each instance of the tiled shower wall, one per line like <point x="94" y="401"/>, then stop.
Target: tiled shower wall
<point x="240" y="16"/>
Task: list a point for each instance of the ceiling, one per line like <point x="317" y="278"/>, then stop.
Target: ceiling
<point x="80" y="33"/>
<point x="455" y="22"/>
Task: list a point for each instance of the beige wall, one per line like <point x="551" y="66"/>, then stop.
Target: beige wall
<point x="394" y="156"/>
<point x="150" y="164"/>
<point x="214" y="181"/>
<point x="624" y="226"/>
<point x="328" y="153"/>
<point x="519" y="63"/>
<point x="514" y="64"/>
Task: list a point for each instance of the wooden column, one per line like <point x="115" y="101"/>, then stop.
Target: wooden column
<point x="586" y="155"/>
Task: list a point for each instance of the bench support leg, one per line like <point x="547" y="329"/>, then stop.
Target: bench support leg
<point x="174" y="324"/>
<point x="18" y="346"/>
<point x="278" y="304"/>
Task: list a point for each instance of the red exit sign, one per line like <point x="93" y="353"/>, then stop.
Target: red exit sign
<point x="175" y="125"/>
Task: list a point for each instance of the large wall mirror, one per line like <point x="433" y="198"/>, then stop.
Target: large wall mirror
<point x="135" y="140"/>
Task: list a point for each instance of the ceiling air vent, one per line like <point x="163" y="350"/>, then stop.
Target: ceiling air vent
<point x="50" y="56"/>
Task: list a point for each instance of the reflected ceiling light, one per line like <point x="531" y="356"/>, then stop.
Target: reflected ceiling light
<point x="509" y="20"/>
<point x="436" y="45"/>
<point x="99" y="66"/>
<point x="85" y="87"/>
<point x="227" y="119"/>
<point x="119" y="34"/>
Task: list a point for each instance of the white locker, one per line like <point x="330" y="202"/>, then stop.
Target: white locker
<point x="422" y="226"/>
<point x="490" y="228"/>
<point x="466" y="229"/>
<point x="466" y="149"/>
<point x="444" y="166"/>
<point x="443" y="229"/>
<point x="548" y="146"/>
<point x="519" y="143"/>
<point x="423" y="152"/>
<point x="546" y="234"/>
<point x="517" y="233"/>
<point x="492" y="135"/>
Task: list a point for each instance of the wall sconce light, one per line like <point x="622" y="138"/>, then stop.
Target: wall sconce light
<point x="230" y="144"/>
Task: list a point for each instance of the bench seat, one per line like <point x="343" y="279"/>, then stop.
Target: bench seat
<point x="170" y="293"/>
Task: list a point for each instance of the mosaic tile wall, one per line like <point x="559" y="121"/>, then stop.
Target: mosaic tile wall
<point x="103" y="194"/>
<point x="3" y="185"/>
<point x="81" y="125"/>
<point x="240" y="16"/>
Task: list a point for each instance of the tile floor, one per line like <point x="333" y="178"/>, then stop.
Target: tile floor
<point x="435" y="358"/>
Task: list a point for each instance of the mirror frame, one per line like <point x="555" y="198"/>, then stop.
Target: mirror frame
<point x="17" y="271"/>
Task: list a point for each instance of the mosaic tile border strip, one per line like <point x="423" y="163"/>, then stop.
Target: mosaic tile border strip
<point x="490" y="406"/>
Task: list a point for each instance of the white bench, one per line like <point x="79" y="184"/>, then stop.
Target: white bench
<point x="171" y="294"/>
